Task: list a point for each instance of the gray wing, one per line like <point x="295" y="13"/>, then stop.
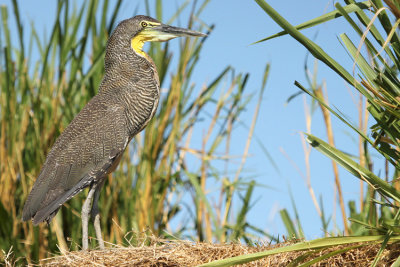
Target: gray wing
<point x="85" y="152"/>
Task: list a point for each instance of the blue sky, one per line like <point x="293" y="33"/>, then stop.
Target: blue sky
<point x="239" y="23"/>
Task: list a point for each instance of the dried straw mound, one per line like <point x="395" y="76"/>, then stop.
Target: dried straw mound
<point x="183" y="253"/>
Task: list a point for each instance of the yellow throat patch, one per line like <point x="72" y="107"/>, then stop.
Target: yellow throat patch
<point x="137" y="43"/>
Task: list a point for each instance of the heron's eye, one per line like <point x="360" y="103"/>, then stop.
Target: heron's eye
<point x="144" y="24"/>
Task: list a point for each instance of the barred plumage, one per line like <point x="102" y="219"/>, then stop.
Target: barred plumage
<point x="93" y="143"/>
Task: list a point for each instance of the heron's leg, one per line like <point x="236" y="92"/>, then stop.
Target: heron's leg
<point x="85" y="217"/>
<point x="95" y="213"/>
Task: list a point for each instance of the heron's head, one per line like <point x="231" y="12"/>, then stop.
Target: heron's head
<point x="144" y="29"/>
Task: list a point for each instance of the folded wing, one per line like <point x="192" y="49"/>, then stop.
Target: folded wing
<point x="88" y="149"/>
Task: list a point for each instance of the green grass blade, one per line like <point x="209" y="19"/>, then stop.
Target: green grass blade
<point x="296" y="214"/>
<point x="295" y="262"/>
<point x="328" y="255"/>
<point x="313" y="48"/>
<point x="373" y="30"/>
<point x="362" y="63"/>
<point x="20" y="33"/>
<point x="314" y="244"/>
<point x="289" y="225"/>
<point x="354" y="168"/>
<point x="386" y="241"/>
<point x="241" y="218"/>
<point x="114" y="15"/>
<point x="321" y="19"/>
<point x="360" y="32"/>
<point x="374" y="112"/>
<point x="385" y="22"/>
<point x="396" y="263"/>
<point x="381" y="249"/>
<point x="193" y="179"/>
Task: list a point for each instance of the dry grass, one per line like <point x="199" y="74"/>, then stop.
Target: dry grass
<point x="185" y="253"/>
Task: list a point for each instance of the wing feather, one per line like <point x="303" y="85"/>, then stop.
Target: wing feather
<point x="84" y="153"/>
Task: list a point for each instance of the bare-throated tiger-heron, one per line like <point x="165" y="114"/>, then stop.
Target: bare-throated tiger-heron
<point x="92" y="144"/>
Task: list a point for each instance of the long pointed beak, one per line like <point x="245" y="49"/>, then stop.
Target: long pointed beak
<point x="165" y="32"/>
<point x="163" y="28"/>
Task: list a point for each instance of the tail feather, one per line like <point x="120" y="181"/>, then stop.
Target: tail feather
<point x="47" y="213"/>
<point x="37" y="195"/>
